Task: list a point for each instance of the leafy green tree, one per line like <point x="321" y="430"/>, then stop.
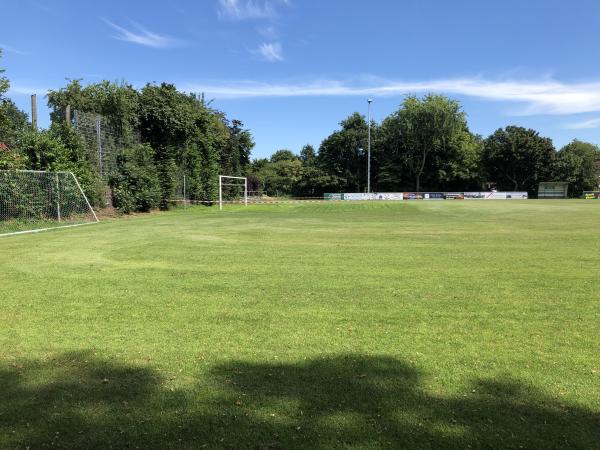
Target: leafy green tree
<point x="116" y="102"/>
<point x="517" y="158"/>
<point x="11" y="160"/>
<point x="13" y="123"/>
<point x="12" y="120"/>
<point x="74" y="95"/>
<point x="77" y="159"/>
<point x="343" y="154"/>
<point x="314" y="182"/>
<point x="61" y="149"/>
<point x="425" y="141"/>
<point x="235" y="157"/>
<point x="213" y="139"/>
<point x="43" y="150"/>
<point x="4" y="83"/>
<point x="575" y="163"/>
<point x="167" y="120"/>
<point x="136" y="183"/>
<point x="280" y="174"/>
<point x="308" y="155"/>
<point x="188" y="137"/>
<point x="281" y="177"/>
<point x="283" y="155"/>
<point x="460" y="170"/>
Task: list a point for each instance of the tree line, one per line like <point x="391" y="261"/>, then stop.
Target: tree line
<point x="177" y="134"/>
<point x="426" y="145"/>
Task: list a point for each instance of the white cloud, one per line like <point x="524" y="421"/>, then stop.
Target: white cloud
<point x="26" y="90"/>
<point x="246" y="9"/>
<point x="142" y="36"/>
<point x="538" y="97"/>
<point x="591" y="123"/>
<point x="268" y="32"/>
<point x="271" y="51"/>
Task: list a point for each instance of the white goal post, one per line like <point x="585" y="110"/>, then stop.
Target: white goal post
<point x="35" y="200"/>
<point x="226" y="180"/>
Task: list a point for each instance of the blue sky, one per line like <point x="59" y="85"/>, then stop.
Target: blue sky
<point x="291" y="70"/>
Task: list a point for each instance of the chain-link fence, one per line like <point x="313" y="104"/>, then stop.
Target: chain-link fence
<point x="103" y="139"/>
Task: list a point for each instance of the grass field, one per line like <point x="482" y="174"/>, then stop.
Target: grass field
<point x="367" y="325"/>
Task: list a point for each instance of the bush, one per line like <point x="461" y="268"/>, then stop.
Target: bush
<point x="61" y="149"/>
<point x="11" y="160"/>
<point x="136" y="184"/>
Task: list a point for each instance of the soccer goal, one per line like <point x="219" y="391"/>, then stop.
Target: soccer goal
<point x="32" y="201"/>
<point x="233" y="190"/>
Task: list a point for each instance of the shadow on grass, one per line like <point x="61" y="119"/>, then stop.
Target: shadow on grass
<point x="80" y="401"/>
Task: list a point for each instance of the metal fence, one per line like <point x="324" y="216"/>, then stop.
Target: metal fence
<point x="103" y="139"/>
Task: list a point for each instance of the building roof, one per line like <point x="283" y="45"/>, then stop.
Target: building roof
<point x="554" y="183"/>
<point x="4" y="147"/>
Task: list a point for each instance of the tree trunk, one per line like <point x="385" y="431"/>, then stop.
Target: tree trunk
<point x="420" y="172"/>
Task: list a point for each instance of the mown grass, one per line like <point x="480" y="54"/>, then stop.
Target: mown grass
<point x="364" y="325"/>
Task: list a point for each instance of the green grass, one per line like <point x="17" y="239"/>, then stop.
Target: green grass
<point x="365" y="325"/>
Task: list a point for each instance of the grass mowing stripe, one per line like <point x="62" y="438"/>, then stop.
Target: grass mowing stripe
<point x="359" y="325"/>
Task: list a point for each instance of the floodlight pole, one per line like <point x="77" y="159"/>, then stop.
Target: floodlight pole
<point x="369" y="101"/>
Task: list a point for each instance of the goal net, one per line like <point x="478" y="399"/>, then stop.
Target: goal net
<point x="232" y="190"/>
<point x="32" y="201"/>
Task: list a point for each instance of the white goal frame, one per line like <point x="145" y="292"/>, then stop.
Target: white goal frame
<point x="221" y="184"/>
<point x="59" y="218"/>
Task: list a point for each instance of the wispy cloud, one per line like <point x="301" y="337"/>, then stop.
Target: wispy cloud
<point x="537" y="97"/>
<point x="27" y="90"/>
<point x="10" y="49"/>
<point x="142" y="36"/>
<point x="271" y="51"/>
<point x="268" y="32"/>
<point x="248" y="9"/>
<point x="264" y="11"/>
<point x="591" y="123"/>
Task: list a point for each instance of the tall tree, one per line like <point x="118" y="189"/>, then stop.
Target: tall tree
<point x="236" y="154"/>
<point x="170" y="122"/>
<point x="4" y="83"/>
<point x="7" y="109"/>
<point x="283" y="155"/>
<point x="117" y="102"/>
<point x="343" y="153"/>
<point x="517" y="158"/>
<point x="423" y="140"/>
<point x="279" y="175"/>
<point x="13" y="123"/>
<point x="575" y="163"/>
<point x="308" y="155"/>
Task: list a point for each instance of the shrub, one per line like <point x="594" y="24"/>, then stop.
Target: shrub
<point x="61" y="149"/>
<point x="136" y="184"/>
<point x="11" y="160"/>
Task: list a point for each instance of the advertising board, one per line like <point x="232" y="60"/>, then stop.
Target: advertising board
<point x="433" y="196"/>
<point x="454" y="196"/>
<point x="389" y="196"/>
<point x="591" y="195"/>
<point x="494" y="195"/>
